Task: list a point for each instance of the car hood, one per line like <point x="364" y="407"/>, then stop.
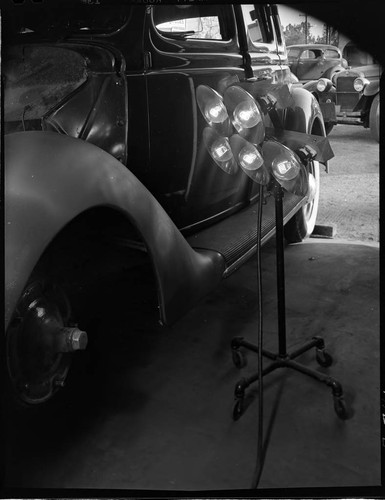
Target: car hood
<point x="369" y="71"/>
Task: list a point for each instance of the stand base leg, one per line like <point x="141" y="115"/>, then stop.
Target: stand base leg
<point x="287" y="361"/>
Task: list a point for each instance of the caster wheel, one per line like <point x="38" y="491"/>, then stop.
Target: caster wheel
<point x="323" y="358"/>
<point x="340" y="408"/>
<point x="238" y="409"/>
<point x="239" y="359"/>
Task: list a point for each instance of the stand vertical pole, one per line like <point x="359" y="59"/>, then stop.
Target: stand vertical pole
<point x="278" y="195"/>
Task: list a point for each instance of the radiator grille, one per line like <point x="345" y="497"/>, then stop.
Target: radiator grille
<point x="345" y="83"/>
<point x="346" y="96"/>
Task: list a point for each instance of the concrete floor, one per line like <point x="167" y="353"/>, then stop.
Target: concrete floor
<point x="153" y="409"/>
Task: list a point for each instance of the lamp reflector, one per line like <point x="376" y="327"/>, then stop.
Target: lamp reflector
<point x="245" y="114"/>
<point x="220" y="151"/>
<point x="211" y="105"/>
<point x="286" y="167"/>
<point x="249" y="159"/>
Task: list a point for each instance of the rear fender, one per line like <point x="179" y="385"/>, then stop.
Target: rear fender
<point x="50" y="179"/>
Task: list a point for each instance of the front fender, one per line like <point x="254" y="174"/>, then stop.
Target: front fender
<point x="321" y="96"/>
<point x="50" y="179"/>
<point x="304" y="113"/>
<point x="372" y="88"/>
<point x="311" y="86"/>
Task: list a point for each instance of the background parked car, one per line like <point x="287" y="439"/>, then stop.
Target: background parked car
<point x="354" y="92"/>
<point x="312" y="61"/>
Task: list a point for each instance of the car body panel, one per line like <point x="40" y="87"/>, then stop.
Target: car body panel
<point x="51" y="178"/>
<point x="128" y="137"/>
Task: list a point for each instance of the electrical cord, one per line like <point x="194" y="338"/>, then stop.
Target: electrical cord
<point x="260" y="454"/>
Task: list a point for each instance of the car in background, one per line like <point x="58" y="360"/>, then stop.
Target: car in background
<point x="353" y="92"/>
<point x="312" y="61"/>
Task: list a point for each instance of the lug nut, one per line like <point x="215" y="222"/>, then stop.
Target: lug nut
<point x="71" y="339"/>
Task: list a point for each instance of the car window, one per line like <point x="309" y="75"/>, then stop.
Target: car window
<point x="309" y="54"/>
<point x="293" y="53"/>
<point x="331" y="54"/>
<point x="257" y="24"/>
<point x="191" y="22"/>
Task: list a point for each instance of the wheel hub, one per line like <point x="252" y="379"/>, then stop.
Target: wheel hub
<point x="39" y="342"/>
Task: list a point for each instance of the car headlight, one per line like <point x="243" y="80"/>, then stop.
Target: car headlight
<point x="323" y="85"/>
<point x="360" y="83"/>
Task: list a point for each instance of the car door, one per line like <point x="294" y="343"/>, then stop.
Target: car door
<point x="332" y="58"/>
<point x="310" y="64"/>
<point x="293" y="55"/>
<point x="188" y="46"/>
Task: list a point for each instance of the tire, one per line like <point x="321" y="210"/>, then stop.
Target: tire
<point x="328" y="128"/>
<point x="302" y="224"/>
<point x="374" y="118"/>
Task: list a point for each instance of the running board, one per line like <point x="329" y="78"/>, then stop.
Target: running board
<point x="235" y="238"/>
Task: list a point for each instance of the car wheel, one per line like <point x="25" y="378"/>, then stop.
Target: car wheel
<point x="374" y="118"/>
<point x="302" y="224"/>
<point x="39" y="343"/>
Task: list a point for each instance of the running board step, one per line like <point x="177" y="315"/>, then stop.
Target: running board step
<point x="235" y="238"/>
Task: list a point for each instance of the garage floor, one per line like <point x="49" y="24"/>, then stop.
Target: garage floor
<point x="152" y="410"/>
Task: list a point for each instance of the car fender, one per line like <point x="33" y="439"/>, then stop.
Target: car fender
<point x="303" y="112"/>
<point x="50" y="179"/>
<point x="322" y="96"/>
<point x="372" y="88"/>
<point x="329" y="73"/>
<point x="311" y="86"/>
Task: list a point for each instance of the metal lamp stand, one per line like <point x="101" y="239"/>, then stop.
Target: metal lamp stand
<point x="284" y="359"/>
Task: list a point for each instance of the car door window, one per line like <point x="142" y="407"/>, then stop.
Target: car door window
<point x="196" y="22"/>
<point x="293" y="54"/>
<point x="308" y="55"/>
<point x="331" y="54"/>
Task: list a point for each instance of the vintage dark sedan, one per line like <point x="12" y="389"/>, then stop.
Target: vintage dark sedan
<point x="161" y="128"/>
<point x="313" y="61"/>
<point x="354" y="93"/>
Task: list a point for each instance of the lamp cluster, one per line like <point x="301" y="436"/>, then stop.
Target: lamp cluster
<point x="235" y="138"/>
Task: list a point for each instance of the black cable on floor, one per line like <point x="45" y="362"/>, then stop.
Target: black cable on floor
<point x="260" y="454"/>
